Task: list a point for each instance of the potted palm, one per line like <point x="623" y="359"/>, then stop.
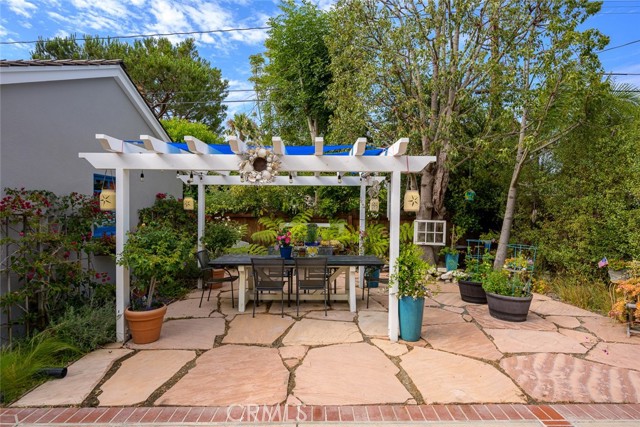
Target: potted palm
<point x="155" y="254"/>
<point x="509" y="291"/>
<point x="413" y="277"/>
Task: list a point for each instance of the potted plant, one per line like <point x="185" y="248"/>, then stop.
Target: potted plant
<point x="470" y="286"/>
<point x="627" y="305"/>
<point x="509" y="291"/>
<point x="311" y="238"/>
<point x="284" y="241"/>
<point x="412" y="275"/>
<point x="451" y="254"/>
<point x="155" y="254"/>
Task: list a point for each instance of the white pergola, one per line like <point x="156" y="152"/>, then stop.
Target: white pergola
<point x="149" y="153"/>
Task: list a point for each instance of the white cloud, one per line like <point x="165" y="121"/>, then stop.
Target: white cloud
<point x="3" y="31"/>
<point x="22" y="7"/>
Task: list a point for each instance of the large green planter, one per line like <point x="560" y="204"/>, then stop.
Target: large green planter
<point x="410" y="312"/>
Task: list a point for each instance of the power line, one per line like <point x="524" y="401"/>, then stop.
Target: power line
<point x="140" y="36"/>
<point x="619" y="46"/>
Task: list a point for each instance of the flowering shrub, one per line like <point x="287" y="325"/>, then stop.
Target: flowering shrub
<point x="283" y="239"/>
<point x="49" y="242"/>
<point x="627" y="291"/>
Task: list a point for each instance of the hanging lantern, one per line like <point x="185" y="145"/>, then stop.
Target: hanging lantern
<point x="188" y="203"/>
<point x="108" y="200"/>
<point x="374" y="205"/>
<point x="412" y="201"/>
<point x="469" y="195"/>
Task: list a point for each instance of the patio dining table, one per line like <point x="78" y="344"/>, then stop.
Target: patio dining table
<point x="342" y="264"/>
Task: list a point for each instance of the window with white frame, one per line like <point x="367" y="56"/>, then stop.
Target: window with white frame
<point x="429" y="232"/>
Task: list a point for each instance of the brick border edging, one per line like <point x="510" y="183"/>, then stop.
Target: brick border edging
<point x="552" y="415"/>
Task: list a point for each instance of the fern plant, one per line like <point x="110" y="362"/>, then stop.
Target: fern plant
<point x="267" y="237"/>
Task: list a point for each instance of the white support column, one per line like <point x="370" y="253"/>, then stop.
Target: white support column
<point x="394" y="251"/>
<point x="122" y="273"/>
<point x="201" y="209"/>
<point x="362" y="227"/>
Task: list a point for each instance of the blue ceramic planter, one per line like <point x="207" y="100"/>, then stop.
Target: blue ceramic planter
<point x="285" y="251"/>
<point x="410" y="313"/>
<point x="451" y="261"/>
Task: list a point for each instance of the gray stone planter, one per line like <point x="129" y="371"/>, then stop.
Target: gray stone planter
<point x="472" y="292"/>
<point x="511" y="309"/>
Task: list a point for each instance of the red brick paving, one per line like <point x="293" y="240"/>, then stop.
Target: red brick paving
<point x="548" y="415"/>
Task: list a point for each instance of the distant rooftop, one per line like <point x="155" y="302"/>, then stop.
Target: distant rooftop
<point x="57" y="62"/>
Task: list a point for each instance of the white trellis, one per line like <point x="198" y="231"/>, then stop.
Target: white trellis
<point x="200" y="158"/>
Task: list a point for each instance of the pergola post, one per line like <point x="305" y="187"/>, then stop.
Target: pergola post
<point x="122" y="227"/>
<point x="362" y="226"/>
<point x="394" y="251"/>
<point x="201" y="209"/>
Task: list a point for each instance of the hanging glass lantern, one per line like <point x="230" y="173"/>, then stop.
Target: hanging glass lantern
<point x="412" y="201"/>
<point x="188" y="204"/>
<point x="374" y="205"/>
<point x="107" y="200"/>
<point x="469" y="195"/>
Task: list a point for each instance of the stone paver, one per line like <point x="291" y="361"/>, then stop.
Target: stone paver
<point x="534" y="322"/>
<point x="457" y="379"/>
<point x="339" y="315"/>
<point x="523" y="341"/>
<point x="189" y="308"/>
<point x="439" y="316"/>
<point x="230" y="312"/>
<point x="608" y="329"/>
<point x="568" y="322"/>
<point x="185" y="334"/>
<point x="374" y="323"/>
<point x="262" y="329"/>
<point x="375" y="304"/>
<point x="585" y="338"/>
<point x="550" y="377"/>
<point x="461" y="338"/>
<point x="452" y="299"/>
<point x="449" y="288"/>
<point x="367" y="376"/>
<point x="390" y="348"/>
<point x="616" y="354"/>
<point x="557" y="308"/>
<point x="232" y="375"/>
<point x="141" y="374"/>
<point x="82" y="376"/>
<point x="321" y="332"/>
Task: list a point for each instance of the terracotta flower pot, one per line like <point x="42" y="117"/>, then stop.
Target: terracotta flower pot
<point x="145" y="326"/>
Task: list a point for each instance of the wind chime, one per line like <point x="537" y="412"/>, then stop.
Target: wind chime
<point x="373" y="192"/>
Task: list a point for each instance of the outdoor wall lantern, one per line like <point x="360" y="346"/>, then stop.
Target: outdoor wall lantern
<point x="188" y="204"/>
<point x="469" y="195"/>
<point x="411" y="201"/>
<point x="107" y="200"/>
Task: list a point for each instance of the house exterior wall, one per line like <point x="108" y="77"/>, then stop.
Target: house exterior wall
<point x="44" y="125"/>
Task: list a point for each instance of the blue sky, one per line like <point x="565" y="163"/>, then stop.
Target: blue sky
<point x="25" y="20"/>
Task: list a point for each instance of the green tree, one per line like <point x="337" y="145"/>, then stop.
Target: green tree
<point x="548" y="73"/>
<point x="242" y="126"/>
<point x="174" y="80"/>
<point x="178" y="128"/>
<point x="293" y="74"/>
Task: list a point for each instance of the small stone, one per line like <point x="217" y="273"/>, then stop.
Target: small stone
<point x="523" y="341"/>
<point x="293" y="351"/>
<point x="321" y="332"/>
<point x="262" y="329"/>
<point x="568" y="322"/>
<point x="458" y="310"/>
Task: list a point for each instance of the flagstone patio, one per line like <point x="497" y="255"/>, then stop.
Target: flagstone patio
<point x="216" y="356"/>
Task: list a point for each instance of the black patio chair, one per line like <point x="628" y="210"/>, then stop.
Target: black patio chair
<point x="203" y="262"/>
<point x="268" y="275"/>
<point x="312" y="274"/>
<point x="368" y="279"/>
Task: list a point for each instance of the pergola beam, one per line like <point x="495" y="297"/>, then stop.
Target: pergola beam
<point x="187" y="161"/>
<point x="237" y="145"/>
<point x="399" y="148"/>
<point x="278" y="146"/>
<point x="115" y="145"/>
<point x="328" y="181"/>
<point x="319" y="146"/>
<point x="359" y="147"/>
<point x="157" y="146"/>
